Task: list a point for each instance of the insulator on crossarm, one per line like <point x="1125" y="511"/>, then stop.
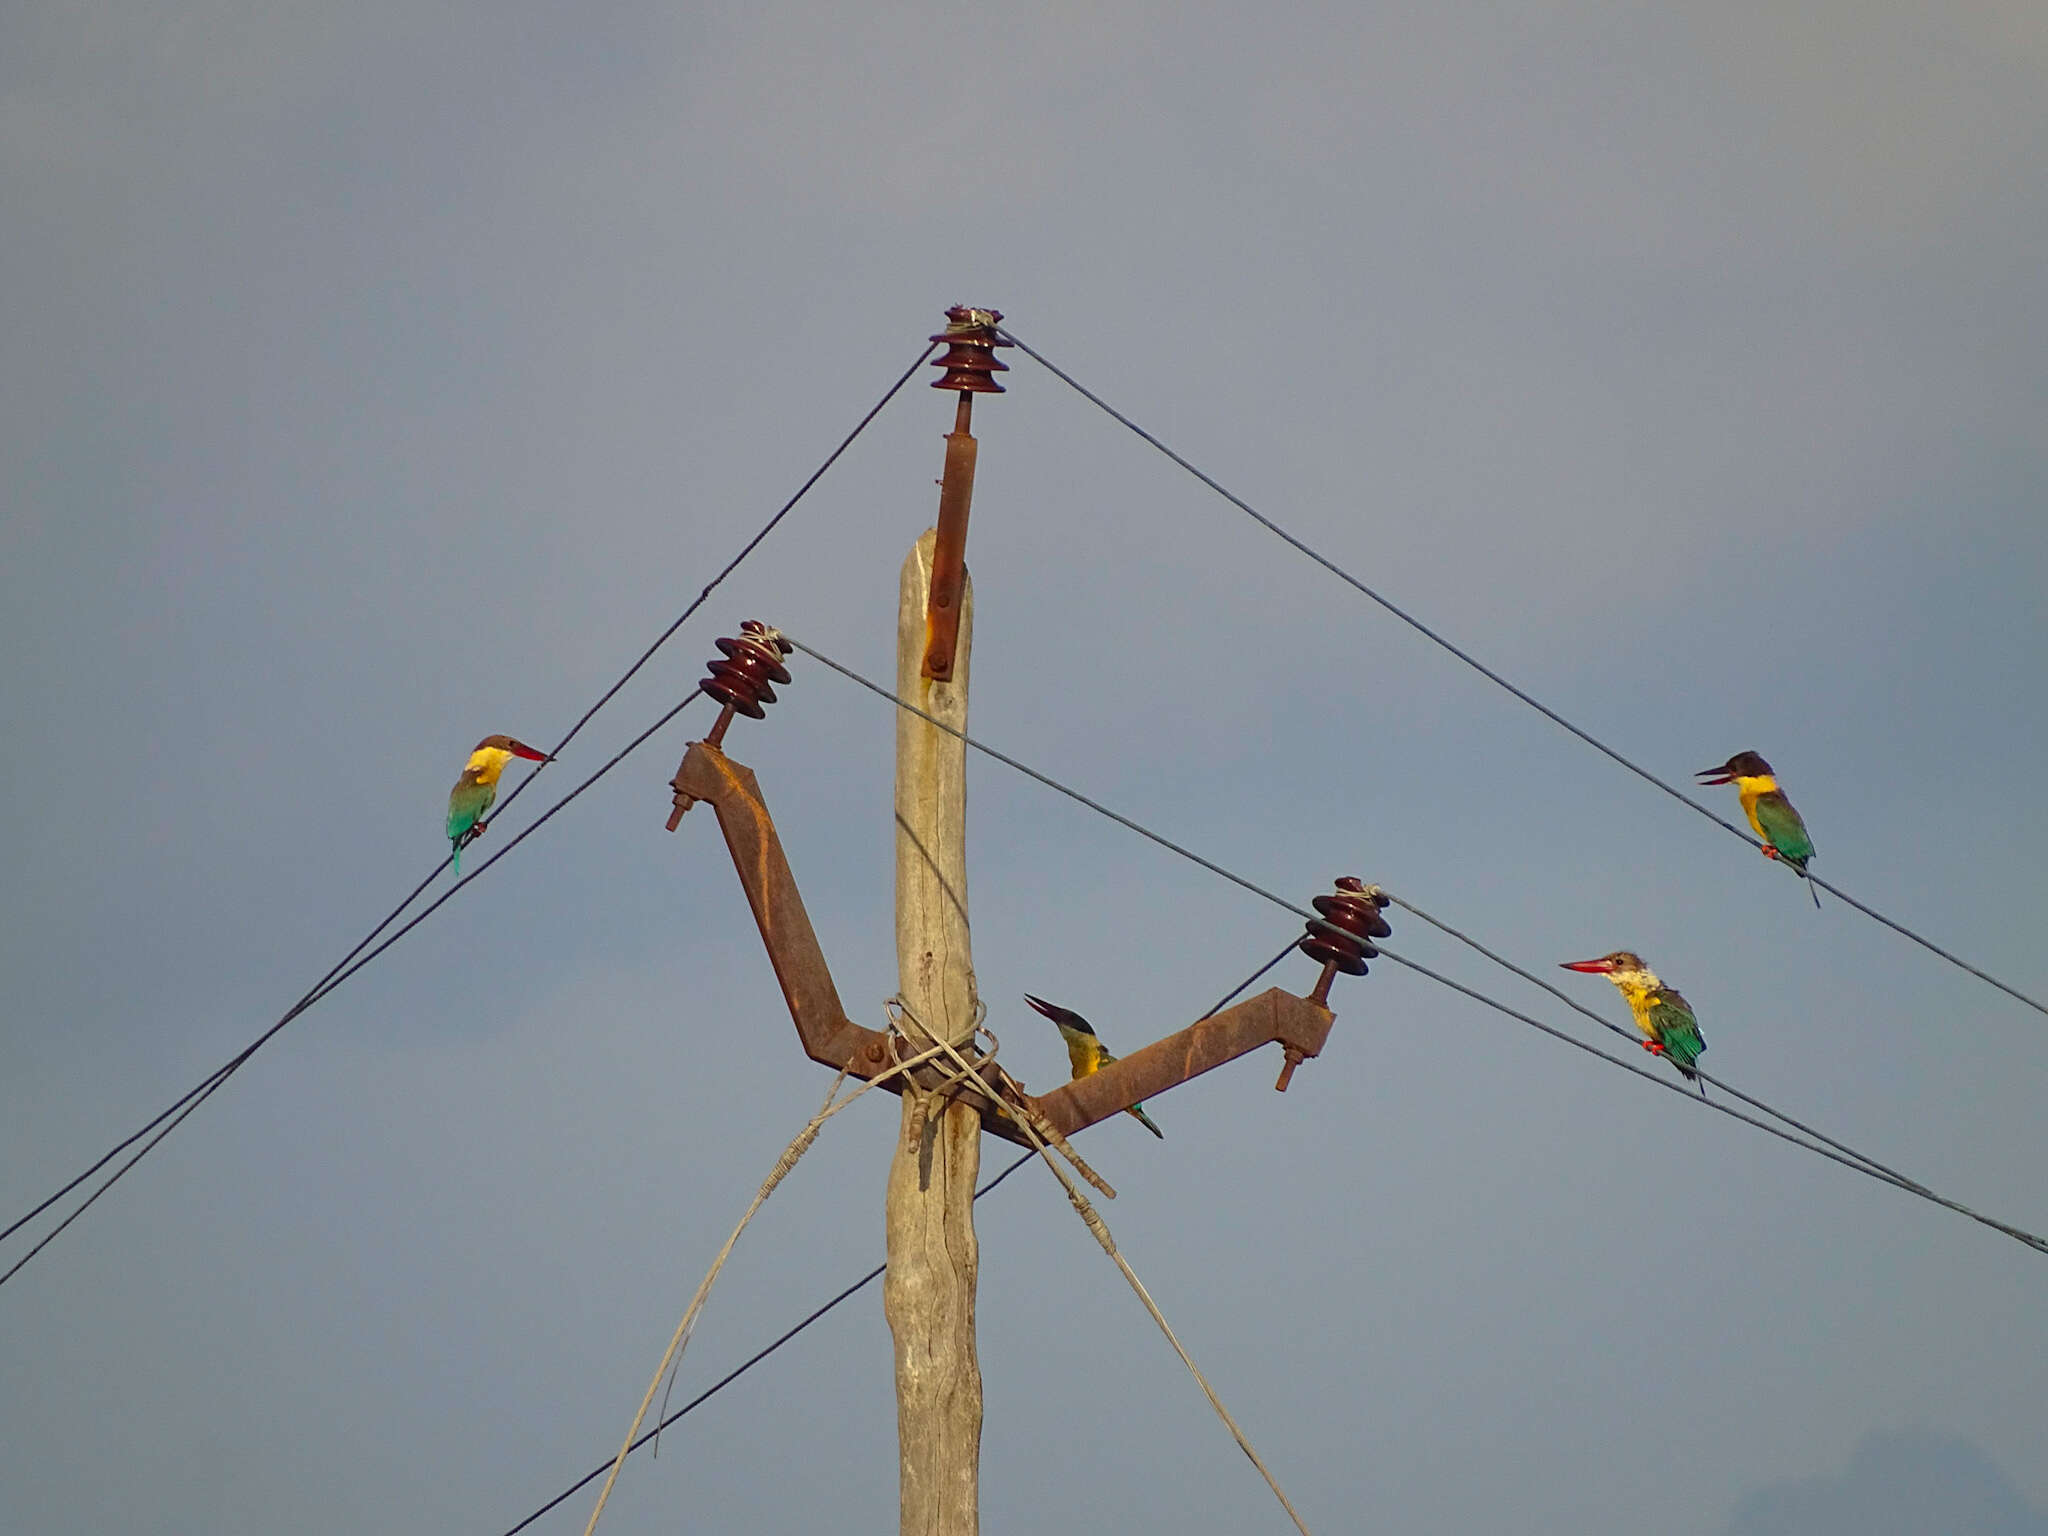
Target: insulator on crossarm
<point x="740" y="680"/>
<point x="1342" y="942"/>
<point x="1354" y="908"/>
<point x="970" y="362"/>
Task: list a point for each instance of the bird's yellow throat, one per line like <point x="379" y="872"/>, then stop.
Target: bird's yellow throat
<point x="485" y="764"/>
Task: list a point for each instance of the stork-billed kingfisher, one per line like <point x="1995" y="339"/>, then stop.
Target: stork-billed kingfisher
<point x="477" y="789"/>
<point x="1770" y="814"/>
<point x="1660" y="1013"/>
<point x="1085" y="1051"/>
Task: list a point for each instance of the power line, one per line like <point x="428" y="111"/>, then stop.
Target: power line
<point x="730" y="566"/>
<point x="1494" y="677"/>
<point x="209" y="1086"/>
<point x="1245" y="986"/>
<point x="342" y="969"/>
<point x="1853" y="1161"/>
<point x="1868" y="1169"/>
<point x="741" y="1369"/>
<point x="1608" y="1024"/>
<point x="206" y="1084"/>
<point x="851" y="1291"/>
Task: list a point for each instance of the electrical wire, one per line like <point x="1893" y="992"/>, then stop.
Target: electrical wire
<point x="1627" y="1034"/>
<point x="1852" y="1161"/>
<point x="731" y="565"/>
<point x="1246" y="985"/>
<point x="203" y="1089"/>
<point x="207" y="1089"/>
<point x="1869" y="1170"/>
<point x="208" y="1083"/>
<point x="741" y="1369"/>
<point x="1494" y="677"/>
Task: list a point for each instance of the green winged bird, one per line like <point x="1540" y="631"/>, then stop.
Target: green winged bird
<point x="1770" y="814"/>
<point x="477" y="789"/>
<point x="1664" y="1017"/>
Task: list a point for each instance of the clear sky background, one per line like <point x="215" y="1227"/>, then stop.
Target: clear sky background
<point x="380" y="376"/>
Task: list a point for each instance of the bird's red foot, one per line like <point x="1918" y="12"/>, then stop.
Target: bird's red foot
<point x="1653" y="1047"/>
<point x="1770" y="852"/>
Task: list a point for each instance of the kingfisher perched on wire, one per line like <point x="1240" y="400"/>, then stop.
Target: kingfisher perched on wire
<point x="475" y="791"/>
<point x="1660" y="1013"/>
<point x="1770" y="813"/>
<point x="1085" y="1051"/>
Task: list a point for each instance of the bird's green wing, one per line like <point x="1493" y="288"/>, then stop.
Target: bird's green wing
<point x="1671" y="1016"/>
<point x="1783" y="828"/>
<point x="467" y="802"/>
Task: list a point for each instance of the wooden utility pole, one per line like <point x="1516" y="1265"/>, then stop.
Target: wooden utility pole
<point x="928" y="1294"/>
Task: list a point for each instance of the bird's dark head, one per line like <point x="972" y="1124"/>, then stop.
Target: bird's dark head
<point x="1743" y="765"/>
<point x="1066" y="1018"/>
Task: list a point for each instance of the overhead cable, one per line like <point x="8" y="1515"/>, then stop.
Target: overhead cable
<point x="210" y="1085"/>
<point x="1494" y="677"/>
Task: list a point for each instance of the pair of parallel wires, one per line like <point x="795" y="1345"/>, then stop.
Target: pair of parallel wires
<point x="175" y="1114"/>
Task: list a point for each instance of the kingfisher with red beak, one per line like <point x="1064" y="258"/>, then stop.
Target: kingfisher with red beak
<point x="1660" y="1013"/>
<point x="1086" y="1053"/>
<point x="477" y="789"/>
<point x="1770" y="814"/>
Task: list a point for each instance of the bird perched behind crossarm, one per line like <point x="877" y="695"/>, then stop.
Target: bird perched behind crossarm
<point x="1086" y="1052"/>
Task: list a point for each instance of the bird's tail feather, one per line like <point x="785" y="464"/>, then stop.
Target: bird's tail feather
<point x="1146" y="1120"/>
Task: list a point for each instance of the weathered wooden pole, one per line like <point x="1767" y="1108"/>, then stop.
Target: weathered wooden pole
<point x="928" y="1295"/>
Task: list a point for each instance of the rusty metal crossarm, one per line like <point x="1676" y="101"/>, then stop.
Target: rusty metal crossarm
<point x="829" y="1037"/>
<point x="832" y="1039"/>
<point x="1271" y="1017"/>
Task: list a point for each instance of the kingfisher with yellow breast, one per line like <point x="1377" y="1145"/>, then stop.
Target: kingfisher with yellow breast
<point x="1660" y="1013"/>
<point x="1770" y="814"/>
<point x="1085" y="1051"/>
<point x="477" y="789"/>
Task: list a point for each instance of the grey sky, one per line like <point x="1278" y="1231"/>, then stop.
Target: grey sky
<point x="380" y="376"/>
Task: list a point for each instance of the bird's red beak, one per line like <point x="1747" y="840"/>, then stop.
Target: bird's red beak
<point x="521" y="749"/>
<point x="1719" y="775"/>
<point x="1590" y="967"/>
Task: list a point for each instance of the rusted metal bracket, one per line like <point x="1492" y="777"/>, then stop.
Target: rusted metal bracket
<point x="970" y="366"/>
<point x="1299" y="1025"/>
<point x="829" y="1037"/>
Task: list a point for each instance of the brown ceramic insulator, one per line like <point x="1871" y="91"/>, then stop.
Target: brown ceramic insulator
<point x="970" y="362"/>
<point x="1357" y="912"/>
<point x="751" y="663"/>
